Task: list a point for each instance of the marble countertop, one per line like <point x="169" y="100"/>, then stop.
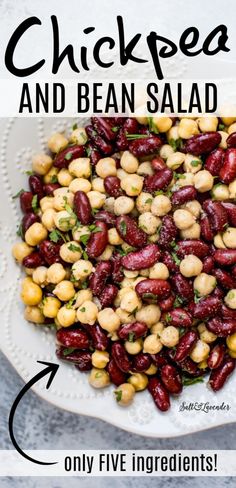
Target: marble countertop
<point x="39" y="425"/>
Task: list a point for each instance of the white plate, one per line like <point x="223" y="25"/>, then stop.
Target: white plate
<point x="24" y="343"/>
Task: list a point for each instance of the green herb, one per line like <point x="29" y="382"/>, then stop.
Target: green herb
<point x="168" y="317"/>
<point x="84" y="238"/>
<point x="158" y="192"/>
<point x="175" y="143"/>
<point x="149" y="200"/>
<point x="149" y="295"/>
<point x="152" y="126"/>
<point x="75" y="126"/>
<point x="225" y="226"/>
<point x="19" y="231"/>
<point x="56" y="235"/>
<point x="84" y="285"/>
<point x="69" y="209"/>
<point x="83" y="309"/>
<point x="178" y="302"/>
<point x="88" y="151"/>
<point x="93" y="228"/>
<point x="182" y="331"/>
<point x="174" y="246"/>
<point x="29" y="172"/>
<point x="195" y="163"/>
<point x="179" y="176"/>
<point x="54" y="179"/>
<point x="98" y="374"/>
<point x="221" y="127"/>
<point x="133" y="188"/>
<point x="191" y="381"/>
<point x="71" y="302"/>
<point x="35" y="203"/>
<point x="95" y="211"/>
<point x="18" y="194"/>
<point x="68" y="351"/>
<point x="118" y="394"/>
<point x="134" y="311"/>
<point x="74" y="248"/>
<point x="85" y="255"/>
<point x="197" y="297"/>
<point x="68" y="156"/>
<point x="133" y="137"/>
<point x="175" y="258"/>
<point x="230" y="295"/>
<point x="123" y="227"/>
<point x="131" y="337"/>
<point x="115" y="129"/>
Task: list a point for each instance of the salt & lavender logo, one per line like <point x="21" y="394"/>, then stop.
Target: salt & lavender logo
<point x="205" y="407"/>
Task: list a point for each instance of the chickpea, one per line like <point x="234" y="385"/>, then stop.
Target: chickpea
<point x="192" y="232"/>
<point x="130" y="301"/>
<point x="87" y="313"/>
<point x="139" y="381"/>
<point x="81" y="269"/>
<point x="218" y="242"/>
<point x="80" y="168"/>
<point x="56" y="273"/>
<point x="96" y="199"/>
<point x="127" y="283"/>
<point x="203" y="181"/>
<point x="231" y="342"/>
<point x="208" y="124"/>
<point x="232" y="189"/>
<point x="152" y="344"/>
<point x="150" y="314"/>
<point x="144" y="272"/>
<point x="125" y="317"/>
<point x="175" y="160"/>
<point x="159" y="271"/>
<point x="100" y="359"/>
<point x="154" y="237"/>
<point x="187" y="128"/>
<point x="35" y="234"/>
<point x="129" y="162"/>
<point x="106" y="254"/>
<point x="50" y="308"/>
<point x="186" y="179"/>
<point x="165" y="151"/>
<point x="66" y="316"/>
<point x="200" y="351"/>
<point x="190" y="266"/>
<point x="192" y="164"/>
<point x="82" y="230"/>
<point x="31" y="294"/>
<point x="224" y="137"/>
<point x="64" y="221"/>
<point x="229" y="237"/>
<point x="108" y="320"/>
<point x="169" y="336"/>
<point x="82" y="296"/>
<point x="121" y="293"/>
<point x="109" y="204"/>
<point x="145" y="169"/>
<point x="40" y="275"/>
<point x="98" y="185"/>
<point x="151" y="370"/>
<point x="220" y="192"/>
<point x="64" y="290"/>
<point x="33" y="314"/>
<point x="80" y="184"/>
<point x="173" y="134"/>
<point x="231" y="128"/>
<point x="149" y="222"/>
<point x="203" y="364"/>
<point x="70" y="252"/>
<point x="123" y="205"/>
<point x="124" y="394"/>
<point x="41" y="164"/>
<point x="204" y="284"/>
<point x="99" y="378"/>
<point x="121" y="173"/>
<point x="106" y="167"/>
<point x="134" y="347"/>
<point x="157" y="328"/>
<point x="113" y="237"/>
<point x="143" y="202"/>
<point x="20" y="251"/>
<point x="161" y="205"/>
<point x="228" y="120"/>
<point x="51" y="175"/>
<point x="48" y="219"/>
<point x="57" y="142"/>
<point x="207" y="336"/>
<point x="132" y="185"/>
<point x="46" y="203"/>
<point x="163" y="124"/>
<point x="194" y="207"/>
<point x="79" y="136"/>
<point x="64" y="177"/>
<point x="62" y="196"/>
<point x="230" y="299"/>
<point x="183" y="219"/>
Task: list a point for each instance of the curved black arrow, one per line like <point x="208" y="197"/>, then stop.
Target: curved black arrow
<point x="51" y="370"/>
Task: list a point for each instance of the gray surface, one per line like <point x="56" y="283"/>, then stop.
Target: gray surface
<point x="39" y="425"/>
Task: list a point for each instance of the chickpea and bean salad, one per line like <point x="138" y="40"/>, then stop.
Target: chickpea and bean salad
<point x="129" y="248"/>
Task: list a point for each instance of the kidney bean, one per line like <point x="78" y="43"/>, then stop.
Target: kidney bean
<point x="99" y="338"/>
<point x="158" y="181"/>
<point x="191" y="368"/>
<point x="97" y="280"/>
<point x="207" y="307"/>
<point x="178" y="318"/>
<point x="158" y="163"/>
<point x="26" y="198"/>
<point x="97" y="241"/>
<point x="104" y="128"/>
<point x="228" y="313"/>
<point x="141" y="362"/>
<point x="130" y="232"/>
<point x="167" y="303"/>
<point x="217" y="215"/>
<point x="228" y="170"/>
<point x="145" y="146"/>
<point x="231" y="140"/>
<point x="153" y="289"/>
<point x="131" y="125"/>
<point x="107" y="217"/>
<point x="219" y="375"/>
<point x="221" y="327"/>
<point x="171" y="379"/>
<point x="36" y="186"/>
<point x="216" y="356"/>
<point x="120" y="356"/>
<point x="202" y="143"/>
<point x="224" y="278"/>
<point x="217" y="292"/>
<point x="64" y="157"/>
<point x="185" y="345"/>
<point x="183" y="287"/>
<point x="112" y="186"/>
<point x="122" y="142"/>
<point x="214" y="161"/>
<point x="103" y="146"/>
<point x="82" y="207"/>
<point x="76" y="338"/>
<point x="168" y="260"/>
<point x="192" y="246"/>
<point x="184" y="195"/>
<point x="225" y="257"/>
<point x="93" y="154"/>
<point x="81" y="359"/>
<point x="28" y="220"/>
<point x="50" y="252"/>
<point x="208" y="265"/>
<point x="168" y="232"/>
<point x="231" y="212"/>
<point x="160" y="358"/>
<point x="159" y="394"/>
<point x="136" y="329"/>
<point x="206" y="230"/>
<point x="108" y="295"/>
<point x="50" y="188"/>
<point x="116" y="375"/>
<point x="34" y="260"/>
<point x="145" y="258"/>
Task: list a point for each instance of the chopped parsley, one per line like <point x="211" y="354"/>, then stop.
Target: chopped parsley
<point x="115" y="129"/>
<point x="131" y="337"/>
<point x="19" y="231"/>
<point x="134" y="311"/>
<point x="83" y="309"/>
<point x="123" y="227"/>
<point x="35" y="203"/>
<point x="54" y="179"/>
<point x="56" y="235"/>
<point x="175" y="258"/>
<point x="197" y="296"/>
<point x="17" y="195"/>
<point x="150" y="295"/>
<point x="133" y="137"/>
<point x="221" y="127"/>
<point x="178" y="302"/>
<point x="68" y="156"/>
<point x="152" y="126"/>
<point x="118" y="394"/>
<point x="71" y="302"/>
<point x="179" y="176"/>
<point x="98" y="375"/>
<point x="195" y="163"/>
<point x="191" y="381"/>
<point x="29" y="172"/>
<point x="174" y="245"/>
<point x="175" y="143"/>
<point x="85" y="255"/>
<point x="84" y="238"/>
<point x="168" y="317"/>
<point x="74" y="248"/>
<point x="149" y="200"/>
<point x="68" y="351"/>
<point x="75" y="126"/>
